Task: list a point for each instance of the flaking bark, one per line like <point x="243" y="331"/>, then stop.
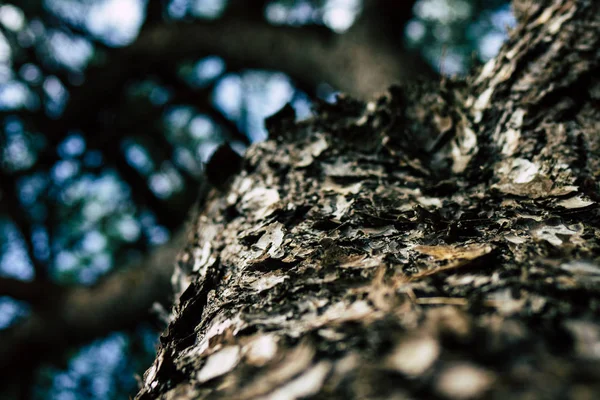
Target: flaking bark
<point x="440" y="242"/>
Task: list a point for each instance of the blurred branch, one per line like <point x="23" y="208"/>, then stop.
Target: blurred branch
<point x="249" y="8"/>
<point x="31" y="292"/>
<point x="77" y="315"/>
<point x="357" y="62"/>
<point x="362" y="61"/>
<point x="155" y="11"/>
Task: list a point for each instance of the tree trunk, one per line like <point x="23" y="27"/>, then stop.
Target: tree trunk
<point x="440" y="242"/>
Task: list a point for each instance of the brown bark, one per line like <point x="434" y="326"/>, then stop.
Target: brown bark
<point x="440" y="242"/>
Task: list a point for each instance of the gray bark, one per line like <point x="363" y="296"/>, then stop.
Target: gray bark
<point x="439" y="242"/>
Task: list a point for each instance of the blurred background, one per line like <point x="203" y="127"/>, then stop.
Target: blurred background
<point x="108" y="110"/>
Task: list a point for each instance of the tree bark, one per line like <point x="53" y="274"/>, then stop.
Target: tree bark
<point x="439" y="242"/>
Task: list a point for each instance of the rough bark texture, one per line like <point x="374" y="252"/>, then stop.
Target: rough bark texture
<point x="441" y="242"/>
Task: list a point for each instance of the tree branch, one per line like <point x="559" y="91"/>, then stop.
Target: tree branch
<point x="76" y="315"/>
<point x="361" y="61"/>
<point x="354" y="62"/>
<point x="34" y="292"/>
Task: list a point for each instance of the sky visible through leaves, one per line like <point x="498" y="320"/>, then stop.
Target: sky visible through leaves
<point x="85" y="219"/>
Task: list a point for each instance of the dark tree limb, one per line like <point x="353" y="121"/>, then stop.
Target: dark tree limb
<point x="360" y="62"/>
<point x="34" y="292"/>
<point x="353" y="62"/>
<point x="70" y="316"/>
